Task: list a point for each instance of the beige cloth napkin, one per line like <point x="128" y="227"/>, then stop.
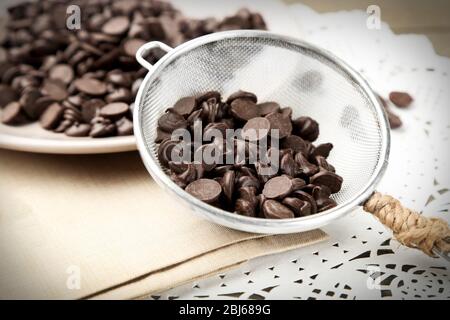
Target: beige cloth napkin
<point x="97" y="226"/>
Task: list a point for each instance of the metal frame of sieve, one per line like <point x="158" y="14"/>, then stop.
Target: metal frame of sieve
<point x="233" y="220"/>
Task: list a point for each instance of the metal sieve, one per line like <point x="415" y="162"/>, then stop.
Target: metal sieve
<point x="308" y="79"/>
<point x="313" y="83"/>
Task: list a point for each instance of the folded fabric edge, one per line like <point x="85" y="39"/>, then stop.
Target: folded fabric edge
<point x="210" y="263"/>
<point x="164" y="268"/>
<point x="156" y="295"/>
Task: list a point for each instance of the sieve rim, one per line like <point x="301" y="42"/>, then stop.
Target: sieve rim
<point x="251" y="224"/>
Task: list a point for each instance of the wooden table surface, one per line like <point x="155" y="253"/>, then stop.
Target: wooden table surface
<point x="431" y="18"/>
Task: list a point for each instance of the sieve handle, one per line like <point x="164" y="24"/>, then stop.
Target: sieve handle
<point x="145" y="49"/>
<point x="431" y="235"/>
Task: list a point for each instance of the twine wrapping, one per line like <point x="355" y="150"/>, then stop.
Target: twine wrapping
<point x="410" y="228"/>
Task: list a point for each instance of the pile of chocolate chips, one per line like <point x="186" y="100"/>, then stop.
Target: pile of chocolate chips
<point x="82" y="82"/>
<point x="401" y="100"/>
<point x="303" y="184"/>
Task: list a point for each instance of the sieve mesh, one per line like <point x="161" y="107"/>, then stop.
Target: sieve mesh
<point x="289" y="72"/>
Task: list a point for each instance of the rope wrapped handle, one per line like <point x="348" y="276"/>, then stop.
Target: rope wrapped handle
<point x="410" y="228"/>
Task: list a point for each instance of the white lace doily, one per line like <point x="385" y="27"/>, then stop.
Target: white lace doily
<point x="361" y="261"/>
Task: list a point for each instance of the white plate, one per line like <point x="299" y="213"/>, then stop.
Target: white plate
<point x="33" y="138"/>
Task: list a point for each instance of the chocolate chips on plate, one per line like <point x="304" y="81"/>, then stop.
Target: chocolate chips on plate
<point x="297" y="181"/>
<point x="82" y="82"/>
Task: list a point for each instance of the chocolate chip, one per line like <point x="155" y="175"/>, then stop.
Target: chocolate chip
<point x="119" y="95"/>
<point x="63" y="126"/>
<point x="229" y="122"/>
<point x="256" y="128"/>
<point x="323" y="163"/>
<point x="9" y="74"/>
<point x="102" y="127"/>
<point x="135" y="86"/>
<point x="43" y="102"/>
<point x="131" y="46"/>
<point x="307" y="128"/>
<point x="288" y="166"/>
<point x="161" y="135"/>
<point x="299" y="207"/>
<point x="120" y="78"/>
<point x="28" y="102"/>
<point x="206" y="190"/>
<point x="297" y="184"/>
<point x="228" y="184"/>
<point x="277" y="187"/>
<point x="165" y="151"/>
<point x="51" y="116"/>
<point x="302" y="195"/>
<point x="210" y="110"/>
<point x="178" y="168"/>
<point x="171" y="121"/>
<point x="400" y="99"/>
<point x="208" y="95"/>
<point x="90" y="86"/>
<point x="394" y="120"/>
<point x="267" y="107"/>
<point x="3" y="54"/>
<point x="248" y="181"/>
<point x="244" y="95"/>
<point x="103" y="39"/>
<point x="114" y="110"/>
<point x="245" y="208"/>
<point x="91" y="108"/>
<point x="91" y="49"/>
<point x="304" y="166"/>
<point x="7" y="95"/>
<point x="281" y="123"/>
<point x="322" y="150"/>
<point x="328" y="179"/>
<point x="330" y="204"/>
<point x="188" y="173"/>
<point x="55" y="89"/>
<point x="295" y="143"/>
<point x="62" y="72"/>
<point x="116" y="26"/>
<point x="248" y="194"/>
<point x="322" y="195"/>
<point x="78" y="130"/>
<point x="274" y="210"/>
<point x="220" y="170"/>
<point x="265" y="172"/>
<point x="71" y="113"/>
<point x="185" y="106"/>
<point x="286" y="112"/>
<point x="244" y="109"/>
<point x="124" y="127"/>
<point x="12" y="114"/>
